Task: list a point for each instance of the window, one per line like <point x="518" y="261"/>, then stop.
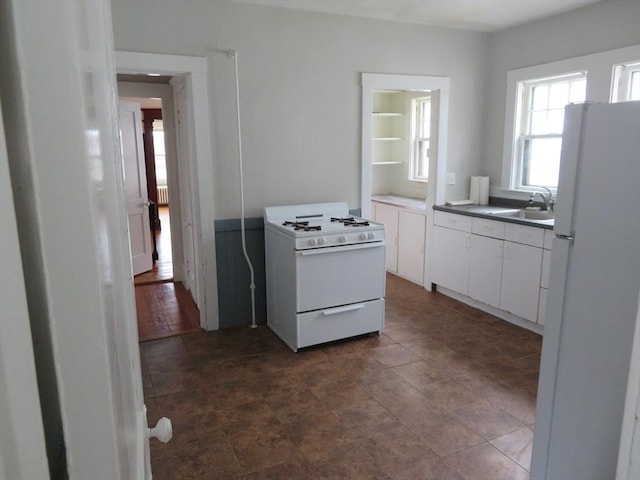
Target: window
<point x="626" y="82"/>
<point x="159" y="152"/>
<point x="539" y="141"/>
<point x="421" y="132"/>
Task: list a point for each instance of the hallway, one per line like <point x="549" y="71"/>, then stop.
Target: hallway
<point x="446" y="392"/>
<point x="163" y="267"/>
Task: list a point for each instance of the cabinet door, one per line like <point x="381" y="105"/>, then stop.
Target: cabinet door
<point x="388" y="215"/>
<point x="520" y="290"/>
<point x="411" y="236"/>
<point x="485" y="269"/>
<point x="450" y="259"/>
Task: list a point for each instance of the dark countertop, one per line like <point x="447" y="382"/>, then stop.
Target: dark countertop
<point x="489" y="212"/>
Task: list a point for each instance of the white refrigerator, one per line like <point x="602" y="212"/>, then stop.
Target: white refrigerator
<point x="593" y="295"/>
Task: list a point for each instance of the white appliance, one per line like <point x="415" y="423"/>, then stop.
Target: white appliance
<point x="325" y="273"/>
<point x="593" y="295"/>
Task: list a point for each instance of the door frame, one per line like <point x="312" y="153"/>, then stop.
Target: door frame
<point x="195" y="70"/>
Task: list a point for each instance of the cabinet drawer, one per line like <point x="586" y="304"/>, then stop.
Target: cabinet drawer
<point x="548" y="239"/>
<point x="330" y="324"/>
<point x="533" y="236"/>
<point x="488" y="228"/>
<point x="451" y="220"/>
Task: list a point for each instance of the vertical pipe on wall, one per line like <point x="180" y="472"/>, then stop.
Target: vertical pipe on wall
<point x="233" y="54"/>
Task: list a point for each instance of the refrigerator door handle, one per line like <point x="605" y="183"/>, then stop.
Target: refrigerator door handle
<point x="565" y="237"/>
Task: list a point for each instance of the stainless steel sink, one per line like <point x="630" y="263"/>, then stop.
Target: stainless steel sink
<point x="526" y="214"/>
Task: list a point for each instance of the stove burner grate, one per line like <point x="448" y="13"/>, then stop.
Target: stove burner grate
<point x="304" y="226"/>
<point x="350" y="222"/>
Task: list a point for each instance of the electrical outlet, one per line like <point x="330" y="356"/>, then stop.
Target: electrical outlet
<point x="451" y="178"/>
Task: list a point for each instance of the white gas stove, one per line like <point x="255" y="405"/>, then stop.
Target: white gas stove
<point x="325" y="273"/>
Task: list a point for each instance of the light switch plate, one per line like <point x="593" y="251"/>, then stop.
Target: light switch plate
<point x="451" y="178"/>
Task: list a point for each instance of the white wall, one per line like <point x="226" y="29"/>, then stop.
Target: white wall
<point x="595" y="28"/>
<point x="300" y="91"/>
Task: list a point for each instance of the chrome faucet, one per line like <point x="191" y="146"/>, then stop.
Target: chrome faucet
<point x="549" y="201"/>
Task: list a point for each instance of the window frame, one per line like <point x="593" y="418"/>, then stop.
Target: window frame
<point x="525" y="89"/>
<point x="623" y="73"/>
<point x="599" y="68"/>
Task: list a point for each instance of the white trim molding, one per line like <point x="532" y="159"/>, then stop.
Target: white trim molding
<point x="195" y="71"/>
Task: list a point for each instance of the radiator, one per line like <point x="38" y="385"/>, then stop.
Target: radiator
<point x="163" y="195"/>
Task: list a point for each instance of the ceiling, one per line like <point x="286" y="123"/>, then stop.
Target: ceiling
<point x="476" y="15"/>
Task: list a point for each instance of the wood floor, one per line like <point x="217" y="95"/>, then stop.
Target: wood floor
<point x="164" y="308"/>
<point x="445" y="392"/>
<point x="163" y="267"/>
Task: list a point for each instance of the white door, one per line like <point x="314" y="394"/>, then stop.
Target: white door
<point x="135" y="184"/>
<point x="184" y="156"/>
<point x="77" y="273"/>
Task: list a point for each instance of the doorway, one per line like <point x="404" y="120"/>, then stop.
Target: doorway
<point x="155" y="153"/>
<point x="165" y="302"/>
<point x="192" y="73"/>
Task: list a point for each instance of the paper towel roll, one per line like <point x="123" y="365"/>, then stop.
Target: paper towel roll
<point x="474" y="189"/>
<point x="484" y="191"/>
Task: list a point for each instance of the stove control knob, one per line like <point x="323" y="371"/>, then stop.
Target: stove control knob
<point x="363" y="236"/>
<point x="312" y="242"/>
<point x="370" y="236"/>
<point x="321" y="241"/>
<point x="342" y="239"/>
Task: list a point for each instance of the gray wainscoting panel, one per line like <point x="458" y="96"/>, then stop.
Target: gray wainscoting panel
<point x="234" y="278"/>
<point x="234" y="294"/>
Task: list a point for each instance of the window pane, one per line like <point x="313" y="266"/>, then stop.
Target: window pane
<point x="634" y="92"/>
<point x="540" y="96"/>
<point x="541" y="165"/>
<point x="559" y="95"/>
<point x="158" y="142"/>
<point x="555" y="121"/>
<point x="578" y="91"/>
<point x="422" y="165"/>
<point x="539" y="123"/>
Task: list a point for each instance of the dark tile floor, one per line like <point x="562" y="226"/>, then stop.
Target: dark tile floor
<point x="446" y="392"/>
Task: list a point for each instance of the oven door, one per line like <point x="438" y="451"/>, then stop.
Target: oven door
<point x="333" y="276"/>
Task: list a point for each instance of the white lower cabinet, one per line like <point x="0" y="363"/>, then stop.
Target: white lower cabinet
<point x="520" y="290"/>
<point x="388" y="215"/>
<point x="496" y="263"/>
<point x="544" y="277"/>
<point x="411" y="236"/>
<point x="450" y="259"/>
<point x="405" y="232"/>
<point x="485" y="270"/>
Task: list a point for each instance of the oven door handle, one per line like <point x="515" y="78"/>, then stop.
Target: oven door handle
<point x="346" y="308"/>
<point x="345" y="248"/>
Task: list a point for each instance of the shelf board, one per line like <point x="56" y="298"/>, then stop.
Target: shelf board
<point x="387" y="163"/>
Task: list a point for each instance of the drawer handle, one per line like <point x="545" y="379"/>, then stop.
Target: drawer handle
<point x="347" y="308"/>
